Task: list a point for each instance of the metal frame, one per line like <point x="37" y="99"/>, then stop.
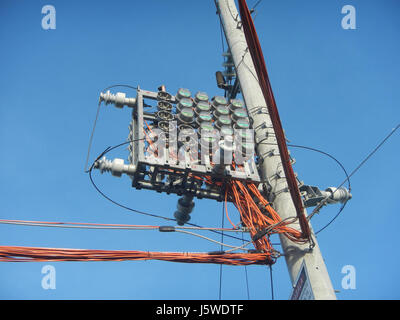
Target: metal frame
<point x="169" y="175"/>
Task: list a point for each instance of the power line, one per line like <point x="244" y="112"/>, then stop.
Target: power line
<point x="77" y="225"/>
<point x="123" y="206"/>
<point x="272" y="282"/>
<point x="27" y="254"/>
<point x="212" y="240"/>
<point x="333" y="219"/>
<point x="85" y="225"/>
<point x="92" y="135"/>
<point x="351" y="174"/>
<point x="341" y="166"/>
<point x="324" y="153"/>
<point x="247" y="279"/>
<point x="258" y="2"/>
<point x="220" y="266"/>
<point x="371" y="154"/>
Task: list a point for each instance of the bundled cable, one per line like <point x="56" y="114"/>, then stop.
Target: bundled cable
<point x="27" y="254"/>
<point x="260" y="66"/>
<point x="259" y="217"/>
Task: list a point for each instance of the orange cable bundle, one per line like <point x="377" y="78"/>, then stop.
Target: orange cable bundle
<point x="27" y="254"/>
<point x="265" y="85"/>
<point x="259" y="217"/>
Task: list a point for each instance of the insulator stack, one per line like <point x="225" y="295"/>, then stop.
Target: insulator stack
<point x="184" y="208"/>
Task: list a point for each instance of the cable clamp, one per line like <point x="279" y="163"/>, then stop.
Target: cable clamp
<point x="259" y="235"/>
<point x="215" y="253"/>
<point x="166" y="229"/>
<point x="255" y="251"/>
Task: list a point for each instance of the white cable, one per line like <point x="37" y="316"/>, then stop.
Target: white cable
<point x="209" y="239"/>
<point x="77" y="226"/>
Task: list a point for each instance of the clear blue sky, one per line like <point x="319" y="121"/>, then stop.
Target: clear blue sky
<point x="336" y="90"/>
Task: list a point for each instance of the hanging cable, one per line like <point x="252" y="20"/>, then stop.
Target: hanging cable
<point x="86" y="225"/>
<point x="350" y="175"/>
<point x="96" y="118"/>
<point x="341" y="166"/>
<point x="107" y="150"/>
<point x="79" y="225"/>
<point x="370" y="154"/>
<point x="247" y="279"/>
<point x="260" y="66"/>
<point x="324" y="153"/>
<point x="220" y="267"/>
<point x="257" y="3"/>
<point x="92" y="134"/>
<point x="272" y="283"/>
<point x="212" y="240"/>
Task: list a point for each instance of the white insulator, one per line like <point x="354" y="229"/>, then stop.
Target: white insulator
<point x="337" y="195"/>
<point x="119" y="99"/>
<point x="117" y="167"/>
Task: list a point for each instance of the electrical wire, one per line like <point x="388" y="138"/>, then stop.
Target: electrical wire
<point x="275" y="225"/>
<point x="123" y="206"/>
<point x="355" y="170"/>
<point x="115" y="227"/>
<point x="107" y="150"/>
<point x="246" y="277"/>
<point x="36" y="254"/>
<point x="265" y="85"/>
<point x="96" y="118"/>
<point x="352" y="173"/>
<point x="220" y="267"/>
<point x="333" y="219"/>
<point x="272" y="283"/>
<point x="370" y="154"/>
<point x="146" y="213"/>
<point x="243" y="195"/>
<point x="92" y="135"/>
<point x="242" y="199"/>
<point x="330" y="156"/>
<point x="76" y="225"/>
<point x="324" y="153"/>
<point x="261" y="221"/>
<point x="212" y="240"/>
<point x="341" y="166"/>
<point x="347" y="177"/>
<point x="257" y="3"/>
<point x="85" y="225"/>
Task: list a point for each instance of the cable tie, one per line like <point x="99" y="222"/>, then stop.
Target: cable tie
<point x="166" y="229"/>
<point x="216" y="252"/>
<point x="254" y="251"/>
<point x="259" y="235"/>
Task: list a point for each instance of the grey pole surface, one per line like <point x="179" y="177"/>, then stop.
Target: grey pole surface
<point x="270" y="169"/>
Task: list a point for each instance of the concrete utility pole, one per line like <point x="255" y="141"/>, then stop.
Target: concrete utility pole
<point x="307" y="269"/>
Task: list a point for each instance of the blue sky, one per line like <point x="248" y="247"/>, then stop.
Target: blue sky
<point x="336" y="90"/>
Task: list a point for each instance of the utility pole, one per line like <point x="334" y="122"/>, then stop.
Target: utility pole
<point x="306" y="266"/>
